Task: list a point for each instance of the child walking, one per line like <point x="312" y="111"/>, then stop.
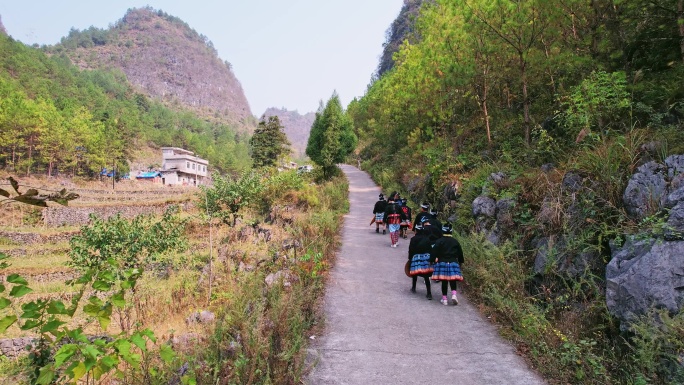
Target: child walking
<point x="447" y="257"/>
<point x="419" y="251"/>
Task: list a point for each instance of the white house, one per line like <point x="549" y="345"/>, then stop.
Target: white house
<point x="182" y="167"/>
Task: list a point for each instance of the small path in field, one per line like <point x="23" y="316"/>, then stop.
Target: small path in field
<point x="378" y="332"/>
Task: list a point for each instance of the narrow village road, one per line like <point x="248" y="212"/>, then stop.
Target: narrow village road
<point x="378" y="332"/>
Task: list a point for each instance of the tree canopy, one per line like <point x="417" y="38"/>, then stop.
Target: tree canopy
<point x="269" y="143"/>
<point x="332" y="136"/>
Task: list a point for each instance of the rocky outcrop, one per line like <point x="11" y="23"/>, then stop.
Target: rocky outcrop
<point x="643" y="274"/>
<point x="493" y="218"/>
<point x="169" y="61"/>
<point x="650" y="188"/>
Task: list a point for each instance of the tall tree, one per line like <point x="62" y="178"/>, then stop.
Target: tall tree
<point x="269" y="142"/>
<point x="332" y="136"/>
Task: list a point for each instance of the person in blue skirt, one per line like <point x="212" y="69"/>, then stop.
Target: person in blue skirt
<point x="419" y="251"/>
<point x="447" y="257"/>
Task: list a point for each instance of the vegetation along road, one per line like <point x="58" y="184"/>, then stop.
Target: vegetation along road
<point x="378" y="332"/>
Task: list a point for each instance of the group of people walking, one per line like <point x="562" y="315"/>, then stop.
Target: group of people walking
<point x="433" y="253"/>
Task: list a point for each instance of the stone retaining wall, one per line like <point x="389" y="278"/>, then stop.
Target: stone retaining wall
<point x="79" y="216"/>
<point x="14" y="347"/>
<point x="31" y="238"/>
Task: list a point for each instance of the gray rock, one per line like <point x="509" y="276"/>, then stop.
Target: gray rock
<point x="675" y="166"/>
<point x="484" y="206"/>
<point x="276" y="277"/>
<point x="643" y="274"/>
<point x="674" y="197"/>
<point x="206" y="316"/>
<point x="572" y="182"/>
<point x="203" y="317"/>
<point x="646" y="190"/>
<point x="675" y="223"/>
<point x="547" y="168"/>
<point x="498" y="177"/>
<point x="244" y="267"/>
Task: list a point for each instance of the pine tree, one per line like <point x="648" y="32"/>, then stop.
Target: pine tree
<point x="332" y="136"/>
<point x="269" y="143"/>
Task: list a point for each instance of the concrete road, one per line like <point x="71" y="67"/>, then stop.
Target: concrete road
<point x="378" y="332"/>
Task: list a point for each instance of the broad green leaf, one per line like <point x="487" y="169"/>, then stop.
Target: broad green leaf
<point x="16" y="279"/>
<point x="30" y="193"/>
<point x="188" y="380"/>
<point x="167" y="354"/>
<point x="4" y="302"/>
<point x="7" y="322"/>
<point x="3" y="256"/>
<point x="91" y="351"/>
<point x="46" y="375"/>
<point x="77" y="371"/>
<point x="149" y="334"/>
<point x="57" y="307"/>
<point x="139" y="341"/>
<point x="102" y="286"/>
<point x="2" y="288"/>
<point x="52" y="326"/>
<point x="31" y="315"/>
<point x="119" y="300"/>
<point x="31" y="324"/>
<point x="20" y="291"/>
<point x="64" y="353"/>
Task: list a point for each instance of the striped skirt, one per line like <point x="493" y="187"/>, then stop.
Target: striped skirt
<point x="447" y="271"/>
<point x="420" y="265"/>
<point x="379" y="217"/>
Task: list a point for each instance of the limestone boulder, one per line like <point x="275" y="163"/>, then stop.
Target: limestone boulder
<point x="644" y="273"/>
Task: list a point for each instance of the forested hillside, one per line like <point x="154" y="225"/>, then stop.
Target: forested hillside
<point x="58" y="119"/>
<point x="165" y="59"/>
<point x="529" y="125"/>
<point x="400" y="30"/>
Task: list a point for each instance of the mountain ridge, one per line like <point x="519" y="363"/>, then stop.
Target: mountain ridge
<point x="167" y="60"/>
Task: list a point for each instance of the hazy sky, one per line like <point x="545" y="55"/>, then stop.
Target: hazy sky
<point x="286" y="53"/>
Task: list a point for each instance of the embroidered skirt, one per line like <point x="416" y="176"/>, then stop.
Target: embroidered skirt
<point x="420" y="265"/>
<point x="447" y="271"/>
<point x="393" y="221"/>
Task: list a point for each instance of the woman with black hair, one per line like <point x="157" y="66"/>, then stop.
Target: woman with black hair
<point x="447" y="257"/>
<point x="419" y="251"/>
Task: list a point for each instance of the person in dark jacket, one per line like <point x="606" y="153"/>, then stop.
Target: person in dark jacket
<point x="406" y="223"/>
<point x="392" y="219"/>
<point x="422" y="216"/>
<point x="379" y="212"/>
<point x="433" y="226"/>
<point x="419" y="251"/>
<point x="447" y="257"/>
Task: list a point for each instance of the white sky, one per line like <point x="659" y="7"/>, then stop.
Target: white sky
<point x="289" y="54"/>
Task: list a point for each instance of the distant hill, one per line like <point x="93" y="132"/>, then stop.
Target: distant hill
<point x="297" y="127"/>
<point x="2" y="27"/>
<point x="166" y="59"/>
<point x="401" y="29"/>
